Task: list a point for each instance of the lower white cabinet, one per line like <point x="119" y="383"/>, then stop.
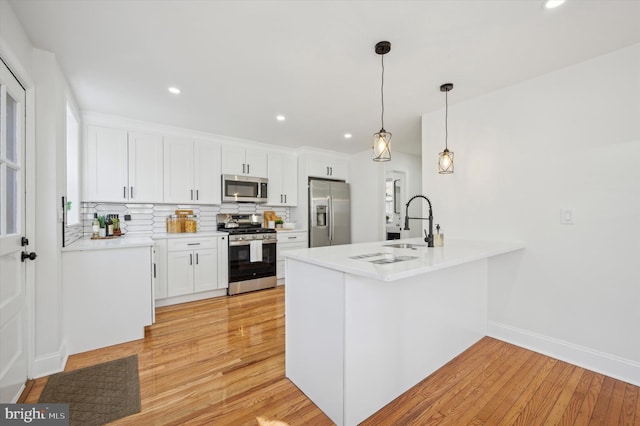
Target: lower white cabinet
<point x="190" y="268"/>
<point x="107" y="295"/>
<point x="288" y="240"/>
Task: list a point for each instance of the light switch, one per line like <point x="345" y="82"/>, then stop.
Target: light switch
<point x="567" y="216"/>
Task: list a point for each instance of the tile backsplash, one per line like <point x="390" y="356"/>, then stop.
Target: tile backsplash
<point x="151" y="218"/>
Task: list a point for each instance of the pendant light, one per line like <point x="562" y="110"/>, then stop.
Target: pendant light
<point x="445" y="161"/>
<point x="381" y="140"/>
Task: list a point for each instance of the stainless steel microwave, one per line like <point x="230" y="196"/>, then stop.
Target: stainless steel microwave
<point x="244" y="189"/>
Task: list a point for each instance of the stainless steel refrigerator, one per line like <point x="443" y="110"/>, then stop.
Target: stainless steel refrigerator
<point x="329" y="213"/>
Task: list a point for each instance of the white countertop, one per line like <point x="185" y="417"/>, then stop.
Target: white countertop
<point x="426" y="259"/>
<point x="126" y="241"/>
<point x="188" y="235"/>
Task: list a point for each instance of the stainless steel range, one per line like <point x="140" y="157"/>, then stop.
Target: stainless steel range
<point x="252" y="253"/>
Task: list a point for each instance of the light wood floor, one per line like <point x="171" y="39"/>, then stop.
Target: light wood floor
<point x="221" y="362"/>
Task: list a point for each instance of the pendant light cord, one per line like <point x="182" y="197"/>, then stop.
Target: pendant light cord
<point x="382" y="91"/>
<point x="446" y="119"/>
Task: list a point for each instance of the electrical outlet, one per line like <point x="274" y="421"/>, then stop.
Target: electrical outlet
<point x="567" y="216"/>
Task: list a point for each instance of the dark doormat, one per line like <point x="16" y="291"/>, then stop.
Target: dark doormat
<point x="98" y="394"/>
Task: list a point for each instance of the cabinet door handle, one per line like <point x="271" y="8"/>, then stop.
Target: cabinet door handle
<point x="154" y="271"/>
<point x="248" y="169"/>
<point x="197" y="195"/>
<point x="330" y="171"/>
<point x="243" y="171"/>
<point x="190" y="259"/>
<point x="124" y="192"/>
<point x="285" y="198"/>
<point x="327" y="171"/>
<point x="131" y="193"/>
<point x="197" y="259"/>
<point x="192" y="195"/>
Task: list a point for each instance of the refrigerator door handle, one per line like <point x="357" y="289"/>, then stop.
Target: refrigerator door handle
<point x="330" y="217"/>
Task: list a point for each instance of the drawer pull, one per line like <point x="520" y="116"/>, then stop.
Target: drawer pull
<point x="193" y="244"/>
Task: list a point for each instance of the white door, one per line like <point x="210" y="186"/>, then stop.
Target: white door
<point x="13" y="308"/>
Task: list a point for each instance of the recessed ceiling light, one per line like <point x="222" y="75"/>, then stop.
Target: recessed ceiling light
<point x="348" y="135"/>
<point x="280" y="117"/>
<point x="552" y="4"/>
<point x="174" y="90"/>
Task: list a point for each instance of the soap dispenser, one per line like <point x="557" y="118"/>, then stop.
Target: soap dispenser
<point x="438" y="239"/>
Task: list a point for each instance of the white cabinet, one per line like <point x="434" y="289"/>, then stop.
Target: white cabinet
<point x="195" y="264"/>
<point x="288" y="240"/>
<point x="283" y="179"/>
<point x="243" y="162"/>
<point x="191" y="171"/>
<point x="123" y="166"/>
<point x="328" y="167"/>
<point x="107" y="295"/>
<point x="160" y="269"/>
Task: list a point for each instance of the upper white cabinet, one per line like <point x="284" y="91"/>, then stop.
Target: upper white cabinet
<point x="328" y="167"/>
<point x="123" y="166"/>
<point x="283" y="179"/>
<point x="192" y="171"/>
<point x="243" y="161"/>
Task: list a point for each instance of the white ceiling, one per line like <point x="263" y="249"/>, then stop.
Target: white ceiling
<point x="240" y="63"/>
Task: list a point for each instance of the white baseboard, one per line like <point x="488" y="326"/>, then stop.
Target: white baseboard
<point x="50" y="364"/>
<point x="600" y="362"/>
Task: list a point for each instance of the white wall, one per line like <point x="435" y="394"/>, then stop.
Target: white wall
<point x="47" y="92"/>
<point x="367" y="198"/>
<point x="367" y="194"/>
<point x="568" y="139"/>
<point x="50" y="187"/>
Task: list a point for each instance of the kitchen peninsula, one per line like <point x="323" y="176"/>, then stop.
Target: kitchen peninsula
<point x="365" y="322"/>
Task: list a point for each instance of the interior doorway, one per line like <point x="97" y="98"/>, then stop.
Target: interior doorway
<point x="395" y="188"/>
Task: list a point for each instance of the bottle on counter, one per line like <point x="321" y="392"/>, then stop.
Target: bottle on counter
<point x="116" y="224"/>
<point x="95" y="229"/>
<point x="109" y="225"/>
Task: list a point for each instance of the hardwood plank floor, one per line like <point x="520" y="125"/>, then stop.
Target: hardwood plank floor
<point x="221" y="362"/>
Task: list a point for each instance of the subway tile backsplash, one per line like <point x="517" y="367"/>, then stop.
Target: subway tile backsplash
<point x="150" y="218"/>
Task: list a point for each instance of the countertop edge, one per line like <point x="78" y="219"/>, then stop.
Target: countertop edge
<point x="87" y="244"/>
<point x="492" y="249"/>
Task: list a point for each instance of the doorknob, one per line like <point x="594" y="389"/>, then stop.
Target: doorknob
<point x="30" y="256"/>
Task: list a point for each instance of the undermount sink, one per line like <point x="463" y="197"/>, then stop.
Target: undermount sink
<point x="405" y="245"/>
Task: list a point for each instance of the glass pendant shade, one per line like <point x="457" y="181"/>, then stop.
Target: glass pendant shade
<point x="381" y="149"/>
<point x="445" y="162"/>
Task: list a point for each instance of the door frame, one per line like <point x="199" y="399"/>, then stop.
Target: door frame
<point x="25" y="80"/>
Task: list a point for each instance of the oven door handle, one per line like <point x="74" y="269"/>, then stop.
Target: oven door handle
<point x="246" y="243"/>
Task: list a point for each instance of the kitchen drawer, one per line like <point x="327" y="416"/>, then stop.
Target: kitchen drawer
<point x="192" y="244"/>
<point x="289" y="246"/>
<point x="291" y="237"/>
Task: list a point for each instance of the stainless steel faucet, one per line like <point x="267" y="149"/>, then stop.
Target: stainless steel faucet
<point x="428" y="238"/>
